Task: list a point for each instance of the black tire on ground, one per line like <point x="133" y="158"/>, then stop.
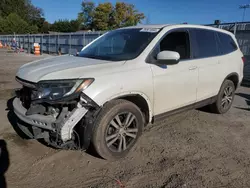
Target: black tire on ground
<point x="116" y="117"/>
<point x="227" y="91"/>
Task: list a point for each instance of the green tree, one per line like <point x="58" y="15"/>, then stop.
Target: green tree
<point x="33" y="14"/>
<point x="45" y="27"/>
<point x="101" y="16"/>
<point x="75" y="25"/>
<point x="15" y="24"/>
<point x="106" y="16"/>
<point x="24" y="8"/>
<point x="65" y="26"/>
<point x="126" y="15"/>
<point x="29" y="13"/>
<point x="12" y="6"/>
<point x="60" y="26"/>
<point x="1" y="25"/>
<point x="86" y="15"/>
<point x="32" y="29"/>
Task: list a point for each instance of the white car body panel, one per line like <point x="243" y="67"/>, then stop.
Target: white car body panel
<point x="132" y="80"/>
<point x="208" y="81"/>
<point x="174" y="86"/>
<point x="65" y="67"/>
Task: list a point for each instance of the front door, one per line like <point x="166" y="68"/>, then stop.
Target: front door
<point x="174" y="85"/>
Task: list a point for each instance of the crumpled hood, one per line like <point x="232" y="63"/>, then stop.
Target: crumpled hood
<point x="65" y="67"/>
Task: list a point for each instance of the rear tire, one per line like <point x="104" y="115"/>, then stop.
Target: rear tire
<point x="117" y="128"/>
<point x="224" y="98"/>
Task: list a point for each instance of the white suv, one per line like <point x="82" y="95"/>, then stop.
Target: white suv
<point x="124" y="80"/>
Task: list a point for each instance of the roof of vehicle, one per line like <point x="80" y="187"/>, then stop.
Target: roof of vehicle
<point x="156" y="26"/>
<point x="160" y="26"/>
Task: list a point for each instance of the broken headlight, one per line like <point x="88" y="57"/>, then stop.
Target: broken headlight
<point x="57" y="89"/>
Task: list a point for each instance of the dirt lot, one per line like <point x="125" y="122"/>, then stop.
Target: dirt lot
<point x="192" y="149"/>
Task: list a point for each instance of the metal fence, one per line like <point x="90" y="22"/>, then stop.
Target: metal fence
<point x="51" y="43"/>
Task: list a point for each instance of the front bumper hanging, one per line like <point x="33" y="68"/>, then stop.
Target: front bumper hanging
<point x="36" y="120"/>
<point x="63" y="125"/>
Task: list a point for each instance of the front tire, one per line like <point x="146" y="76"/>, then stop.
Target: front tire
<point x="225" y="98"/>
<point x="117" y="128"/>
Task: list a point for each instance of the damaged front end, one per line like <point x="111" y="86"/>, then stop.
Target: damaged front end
<point x="61" y="114"/>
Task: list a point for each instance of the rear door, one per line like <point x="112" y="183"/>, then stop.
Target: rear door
<point x="206" y="54"/>
<point x="231" y="56"/>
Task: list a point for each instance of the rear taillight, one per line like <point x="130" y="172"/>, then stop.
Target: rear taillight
<point x="243" y="59"/>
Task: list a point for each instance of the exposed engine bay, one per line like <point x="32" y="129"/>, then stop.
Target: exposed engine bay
<point x="64" y="123"/>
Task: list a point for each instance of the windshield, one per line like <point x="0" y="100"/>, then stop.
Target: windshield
<point x="118" y="45"/>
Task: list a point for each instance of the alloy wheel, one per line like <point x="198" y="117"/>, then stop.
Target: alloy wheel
<point x="227" y="97"/>
<point x="121" y="132"/>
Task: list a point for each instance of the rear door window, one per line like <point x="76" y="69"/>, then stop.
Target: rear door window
<point x="205" y="43"/>
<point x="227" y="44"/>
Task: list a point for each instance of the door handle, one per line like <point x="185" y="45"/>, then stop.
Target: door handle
<point x="193" y="68"/>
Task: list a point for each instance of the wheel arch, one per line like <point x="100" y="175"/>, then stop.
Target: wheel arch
<point x="139" y="99"/>
<point x="234" y="77"/>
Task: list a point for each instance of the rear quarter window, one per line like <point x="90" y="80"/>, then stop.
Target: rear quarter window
<point x="226" y="43"/>
<point x="205" y="43"/>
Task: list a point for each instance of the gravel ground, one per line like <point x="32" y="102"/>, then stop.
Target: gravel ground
<point x="192" y="149"/>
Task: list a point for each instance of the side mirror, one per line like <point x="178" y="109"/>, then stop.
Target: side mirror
<point x="168" y="58"/>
